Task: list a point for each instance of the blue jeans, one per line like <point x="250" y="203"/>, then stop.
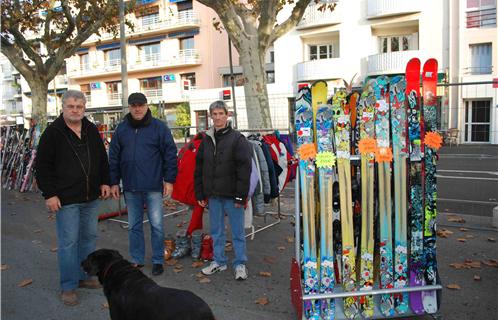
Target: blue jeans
<point x="76" y="239"/>
<point x="135" y="202"/>
<point x="218" y="206"/>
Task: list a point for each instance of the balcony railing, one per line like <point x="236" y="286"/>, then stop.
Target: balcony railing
<point x="383" y="8"/>
<point x="481" y="18"/>
<point x="478" y="70"/>
<point x="153" y="95"/>
<point x="188" y="56"/>
<point x="391" y="62"/>
<point x="314" y="17"/>
<point x="112" y="65"/>
<point x="320" y="69"/>
<point x="114" y="99"/>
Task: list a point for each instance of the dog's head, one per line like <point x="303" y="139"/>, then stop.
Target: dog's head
<point x="99" y="260"/>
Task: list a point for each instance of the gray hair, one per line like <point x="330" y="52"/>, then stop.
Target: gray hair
<point x="218" y="105"/>
<point x="76" y="94"/>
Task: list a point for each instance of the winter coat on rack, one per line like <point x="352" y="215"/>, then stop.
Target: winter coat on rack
<point x="272" y="174"/>
<point x="280" y="155"/>
<point x="264" y="182"/>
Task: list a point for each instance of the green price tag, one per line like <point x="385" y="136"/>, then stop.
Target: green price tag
<point x="325" y="159"/>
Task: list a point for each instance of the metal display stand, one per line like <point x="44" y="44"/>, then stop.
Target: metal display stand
<point x="297" y="293"/>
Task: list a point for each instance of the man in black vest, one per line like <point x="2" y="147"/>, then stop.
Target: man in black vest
<point x="72" y="171"/>
<point x="223" y="169"/>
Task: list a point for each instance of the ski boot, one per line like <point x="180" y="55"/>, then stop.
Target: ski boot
<point x="207" y="248"/>
<point x="196" y="244"/>
<point x="169" y="247"/>
<point x="182" y="245"/>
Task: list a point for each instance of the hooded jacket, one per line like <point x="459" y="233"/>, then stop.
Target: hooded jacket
<point x="223" y="165"/>
<point x="59" y="169"/>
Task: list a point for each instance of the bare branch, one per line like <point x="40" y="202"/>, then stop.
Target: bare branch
<point x="267" y="19"/>
<point x="13" y="53"/>
<point x="292" y="21"/>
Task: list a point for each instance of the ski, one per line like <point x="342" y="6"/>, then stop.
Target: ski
<point x="429" y="82"/>
<point x="383" y="157"/>
<point x="415" y="135"/>
<point x="304" y="129"/>
<point x="366" y="146"/>
<point x="397" y="88"/>
<point x="341" y="116"/>
<point x="325" y="162"/>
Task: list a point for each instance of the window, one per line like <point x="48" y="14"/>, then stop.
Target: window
<point x="85" y="88"/>
<point x="150" y="52"/>
<point x="150" y="19"/>
<point x="201" y="118"/>
<point x="480" y="59"/>
<point x="270" y="76"/>
<point x="323" y="51"/>
<point x="481" y="13"/>
<point x="396" y="43"/>
<point x="114" y="92"/>
<point x="112" y="57"/>
<point x="187" y="43"/>
<point x="184" y="5"/>
<point x="477" y="120"/>
<point x="239" y="80"/>
<point x="189" y="76"/>
<point x="151" y="87"/>
<point x="84" y="61"/>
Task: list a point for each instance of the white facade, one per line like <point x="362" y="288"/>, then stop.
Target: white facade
<point x="11" y="106"/>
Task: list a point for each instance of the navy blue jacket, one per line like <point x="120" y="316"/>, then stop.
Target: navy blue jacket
<point x="142" y="157"/>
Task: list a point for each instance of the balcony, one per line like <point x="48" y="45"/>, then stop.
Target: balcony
<point x="320" y="69"/>
<point x="153" y="95"/>
<point x="60" y="81"/>
<point x="187" y="57"/>
<point x="391" y="62"/>
<point x="385" y="8"/>
<point x="313" y="17"/>
<point x="472" y="71"/>
<point x="114" y="99"/>
<point x="483" y="18"/>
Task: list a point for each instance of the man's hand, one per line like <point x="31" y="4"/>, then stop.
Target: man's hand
<point x="53" y="204"/>
<point x="105" y="191"/>
<point x="115" y="191"/>
<point x="202" y="203"/>
<point x="167" y="189"/>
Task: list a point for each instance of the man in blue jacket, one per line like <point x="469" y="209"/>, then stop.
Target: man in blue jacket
<point x="143" y="155"/>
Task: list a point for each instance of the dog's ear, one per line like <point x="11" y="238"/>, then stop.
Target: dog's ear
<point x="116" y="254"/>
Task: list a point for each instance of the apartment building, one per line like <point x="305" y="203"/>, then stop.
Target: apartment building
<point x="172" y="50"/>
<point x="473" y="105"/>
<point x="11" y="106"/>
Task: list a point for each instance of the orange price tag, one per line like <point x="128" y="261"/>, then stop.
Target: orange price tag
<point x="384" y="155"/>
<point x="307" y="151"/>
<point x="367" y="145"/>
<point x="433" y="140"/>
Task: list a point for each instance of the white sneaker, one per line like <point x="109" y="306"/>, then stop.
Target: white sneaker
<point x="213" y="268"/>
<point x="240" y="272"/>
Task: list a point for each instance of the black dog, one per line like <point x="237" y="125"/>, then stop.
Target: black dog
<point x="132" y="295"/>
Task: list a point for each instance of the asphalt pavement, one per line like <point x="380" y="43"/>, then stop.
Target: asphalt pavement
<point x="467" y="254"/>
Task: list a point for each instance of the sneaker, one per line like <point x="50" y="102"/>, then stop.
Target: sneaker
<point x="69" y="298"/>
<point x="213" y="268"/>
<point x="240" y="272"/>
<point x="157" y="269"/>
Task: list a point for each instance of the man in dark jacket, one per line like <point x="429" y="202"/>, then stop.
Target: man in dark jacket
<point x="222" y="173"/>
<point x="72" y="171"/>
<point x="143" y="156"/>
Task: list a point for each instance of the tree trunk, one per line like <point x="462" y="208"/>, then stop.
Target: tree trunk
<point x="256" y="93"/>
<point x="39" y="92"/>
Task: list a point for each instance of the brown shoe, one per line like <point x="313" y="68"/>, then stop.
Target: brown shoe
<point x="169" y="248"/>
<point x="69" y="298"/>
<point x="89" y="284"/>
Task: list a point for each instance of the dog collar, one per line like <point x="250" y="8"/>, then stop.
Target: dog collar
<point x="106" y="270"/>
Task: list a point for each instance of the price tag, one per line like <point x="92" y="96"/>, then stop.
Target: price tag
<point x="367" y="145"/>
<point x="307" y="151"/>
<point x="304" y="132"/>
<point x="384" y="155"/>
<point x="325" y="159"/>
<point x="433" y="140"/>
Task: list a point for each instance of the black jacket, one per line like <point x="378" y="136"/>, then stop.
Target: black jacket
<point x="59" y="170"/>
<point x="223" y="166"/>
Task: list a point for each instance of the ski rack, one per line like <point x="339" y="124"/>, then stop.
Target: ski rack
<point x="297" y="294"/>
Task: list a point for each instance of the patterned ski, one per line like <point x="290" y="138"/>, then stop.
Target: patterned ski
<point x="384" y="157"/>
<point x="325" y="162"/>
<point x="304" y="130"/>
<point x="416" y="182"/>
<point x="366" y="146"/>
<point x="397" y="88"/>
<point x="341" y="116"/>
<point x="429" y="82"/>
<point x="318" y="97"/>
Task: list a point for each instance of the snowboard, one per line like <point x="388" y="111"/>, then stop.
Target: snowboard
<point x="366" y="113"/>
<point x="325" y="162"/>
<point x="318" y="97"/>
<point x="429" y="82"/>
<point x="383" y="157"/>
<point x="341" y="118"/>
<point x="397" y="88"/>
<point x="304" y="130"/>
<point x="416" y="208"/>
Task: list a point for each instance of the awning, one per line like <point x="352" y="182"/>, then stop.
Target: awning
<point x="183" y="34"/>
<point x="148" y="40"/>
<point x="82" y="50"/>
<point x="114" y="45"/>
